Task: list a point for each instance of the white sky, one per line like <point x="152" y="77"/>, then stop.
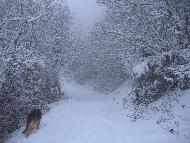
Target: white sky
<point x="86" y="12"/>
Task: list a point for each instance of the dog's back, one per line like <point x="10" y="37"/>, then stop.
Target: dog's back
<point x="33" y="121"/>
<point x="35" y="113"/>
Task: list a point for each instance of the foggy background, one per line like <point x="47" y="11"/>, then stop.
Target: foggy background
<point x="86" y="12"/>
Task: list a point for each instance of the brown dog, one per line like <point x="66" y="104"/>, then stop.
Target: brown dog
<point x="33" y="121"/>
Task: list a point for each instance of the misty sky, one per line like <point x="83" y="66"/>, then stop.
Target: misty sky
<point x="86" y="12"/>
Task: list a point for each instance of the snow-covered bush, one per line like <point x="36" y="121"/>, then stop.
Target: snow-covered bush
<point x="24" y="83"/>
<point x="166" y="73"/>
<point x="34" y="39"/>
<point x="152" y="37"/>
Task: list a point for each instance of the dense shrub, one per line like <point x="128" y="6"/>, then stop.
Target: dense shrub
<point x="34" y="40"/>
<point x="169" y="72"/>
<point x="25" y="83"/>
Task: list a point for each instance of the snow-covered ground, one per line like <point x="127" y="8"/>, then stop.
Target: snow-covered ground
<point x="92" y="117"/>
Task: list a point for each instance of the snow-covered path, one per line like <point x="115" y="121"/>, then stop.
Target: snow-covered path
<point x="90" y="117"/>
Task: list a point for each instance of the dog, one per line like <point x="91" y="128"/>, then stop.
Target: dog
<point x="33" y="121"/>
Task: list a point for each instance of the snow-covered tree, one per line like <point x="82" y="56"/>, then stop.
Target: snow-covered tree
<point x="34" y="39"/>
<point x="154" y="32"/>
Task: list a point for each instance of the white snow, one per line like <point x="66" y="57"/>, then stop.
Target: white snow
<point x="141" y="69"/>
<point x="168" y="79"/>
<point x="92" y="117"/>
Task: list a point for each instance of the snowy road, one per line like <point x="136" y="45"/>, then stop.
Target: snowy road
<point x="90" y="117"/>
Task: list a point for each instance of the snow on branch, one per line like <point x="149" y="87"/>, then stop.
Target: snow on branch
<point x="36" y="18"/>
<point x="140" y="69"/>
<point x="28" y="19"/>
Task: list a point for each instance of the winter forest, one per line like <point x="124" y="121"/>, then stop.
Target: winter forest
<point x="124" y="80"/>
